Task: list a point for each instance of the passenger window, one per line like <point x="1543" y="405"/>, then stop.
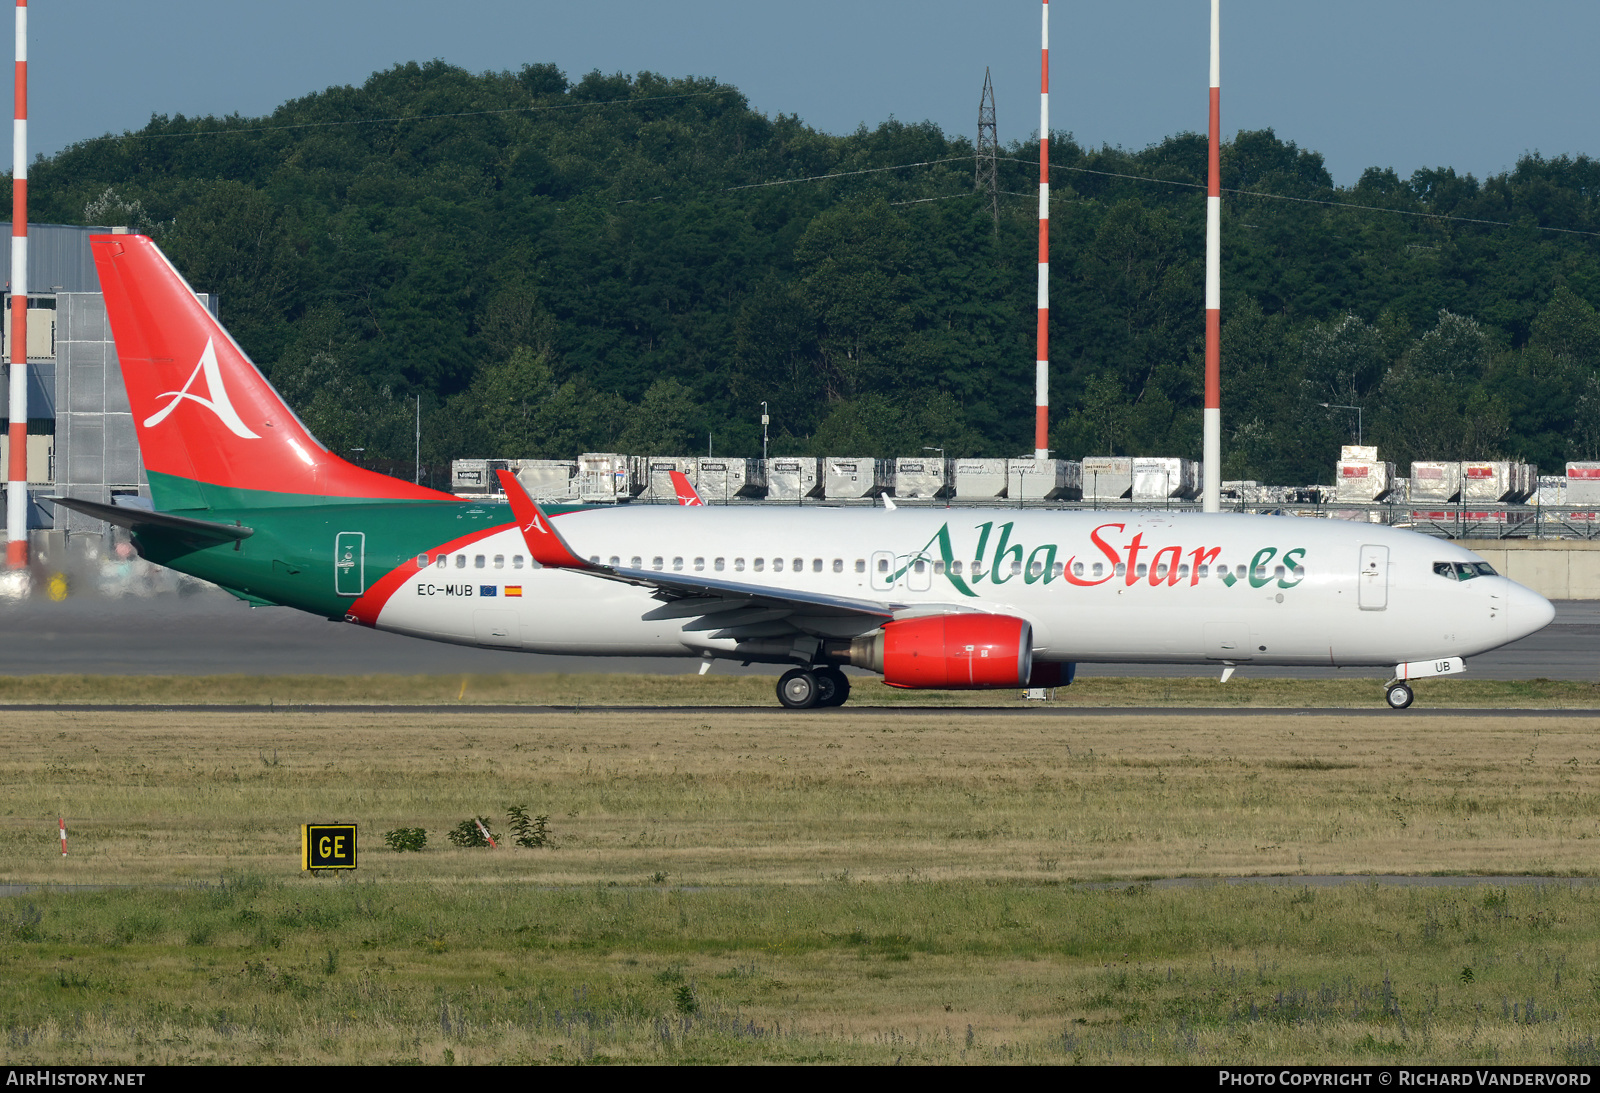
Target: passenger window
<point x="1300" y="572"/>
<point x="1121" y="568"/>
<point x="1205" y="571"/>
<point x="861" y="565"/>
<point x="938" y="568"/>
<point x="816" y="565"/>
<point x="1280" y="572"/>
<point x="461" y="561"/>
<point x="1183" y="571"/>
<point x="759" y="564"/>
<point x="883" y="565"/>
<point x="677" y="565"/>
<point x="955" y="567"/>
<point x="1057" y="569"/>
<point x="615" y="560"/>
<point x="699" y="565"/>
<point x="500" y="561"/>
<point x="516" y="561"/>
<point x="1242" y="571"/>
<point x="655" y="563"/>
<point x="738" y="565"/>
<point x="1035" y="569"/>
<point x="1140" y="570"/>
<point x="636" y="562"/>
<point x="719" y="564"/>
<point x="800" y="565"/>
<point x="595" y="558"/>
<point x="777" y="565"/>
<point x="478" y="561"/>
<point x="1077" y="569"/>
<point x="422" y="561"/>
<point x="838" y="565"/>
<point x="1099" y="569"/>
<point x="441" y="561"/>
<point x="920" y="566"/>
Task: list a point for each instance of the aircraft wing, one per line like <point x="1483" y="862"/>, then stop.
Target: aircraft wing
<point x="732" y="608"/>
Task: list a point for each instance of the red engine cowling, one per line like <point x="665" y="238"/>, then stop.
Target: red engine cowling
<point x="949" y="652"/>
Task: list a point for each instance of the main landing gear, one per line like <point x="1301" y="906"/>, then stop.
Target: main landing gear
<point x="803" y="688"/>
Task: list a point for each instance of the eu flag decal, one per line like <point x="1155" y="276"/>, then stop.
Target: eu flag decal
<point x="488" y="590"/>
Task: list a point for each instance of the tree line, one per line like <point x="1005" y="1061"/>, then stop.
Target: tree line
<point x="636" y="263"/>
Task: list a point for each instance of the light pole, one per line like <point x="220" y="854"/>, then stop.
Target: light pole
<point x="765" y="420"/>
<point x="1337" y="406"/>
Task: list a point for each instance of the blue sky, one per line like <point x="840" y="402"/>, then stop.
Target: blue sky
<point x="1402" y="84"/>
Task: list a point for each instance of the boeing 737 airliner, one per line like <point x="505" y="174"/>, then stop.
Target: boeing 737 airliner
<point x="244" y="496"/>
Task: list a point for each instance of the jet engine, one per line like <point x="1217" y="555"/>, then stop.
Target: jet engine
<point x="949" y="652"/>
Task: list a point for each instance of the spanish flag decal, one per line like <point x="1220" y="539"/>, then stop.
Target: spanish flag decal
<point x="513" y="590"/>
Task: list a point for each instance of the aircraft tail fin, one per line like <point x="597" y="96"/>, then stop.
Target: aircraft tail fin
<point x="212" y="431"/>
<point x="685" y="490"/>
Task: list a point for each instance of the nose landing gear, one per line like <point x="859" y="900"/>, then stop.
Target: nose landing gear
<point x="1399" y="695"/>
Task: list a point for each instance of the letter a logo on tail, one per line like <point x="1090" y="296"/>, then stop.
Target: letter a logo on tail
<point x="217" y="403"/>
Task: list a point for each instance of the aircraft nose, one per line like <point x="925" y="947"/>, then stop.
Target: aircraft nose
<point x="1528" y="612"/>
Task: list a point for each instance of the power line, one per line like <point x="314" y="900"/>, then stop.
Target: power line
<point x="844" y="174"/>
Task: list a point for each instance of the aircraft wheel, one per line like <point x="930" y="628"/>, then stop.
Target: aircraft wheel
<point x="798" y="689"/>
<point x="1399" y="696"/>
<point x="834" y="687"/>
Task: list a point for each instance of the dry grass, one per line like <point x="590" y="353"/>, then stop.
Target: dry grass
<point x="762" y="886"/>
<point x="619" y="689"/>
<point x="772" y="797"/>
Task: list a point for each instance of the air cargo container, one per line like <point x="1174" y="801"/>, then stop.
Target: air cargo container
<point x="547" y="479"/>
<point x="846" y="478"/>
<point x="1583" y="483"/>
<point x="980" y="479"/>
<point x="923" y="477"/>
<point x="1435" y="481"/>
<point x="1487" y="481"/>
<point x="1162" y="478"/>
<point x="1357" y="480"/>
<point x="1107" y="477"/>
<point x="723" y="480"/>
<point x="1030" y="479"/>
<point x="794" y="478"/>
<point x="654" y="472"/>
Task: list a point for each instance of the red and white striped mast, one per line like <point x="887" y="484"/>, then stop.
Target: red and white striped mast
<point x="1211" y="443"/>
<point x="1041" y="383"/>
<point x="17" y="486"/>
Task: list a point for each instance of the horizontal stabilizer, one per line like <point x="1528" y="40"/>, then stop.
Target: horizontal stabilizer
<point x="126" y="516"/>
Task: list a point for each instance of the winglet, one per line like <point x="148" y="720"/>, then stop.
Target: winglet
<point x="544" y="541"/>
<point x="685" y="491"/>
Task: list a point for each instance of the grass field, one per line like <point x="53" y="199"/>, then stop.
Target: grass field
<point x="760" y="886"/>
<point x="714" y="690"/>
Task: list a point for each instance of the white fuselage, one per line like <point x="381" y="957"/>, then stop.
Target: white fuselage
<point x="1096" y="586"/>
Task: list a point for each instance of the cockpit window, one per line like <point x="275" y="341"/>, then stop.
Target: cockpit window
<point x="1463" y="571"/>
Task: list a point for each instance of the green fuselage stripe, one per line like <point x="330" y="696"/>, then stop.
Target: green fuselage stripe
<point x="290" y="558"/>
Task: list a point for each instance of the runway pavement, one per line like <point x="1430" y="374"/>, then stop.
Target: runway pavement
<point x="211" y="633"/>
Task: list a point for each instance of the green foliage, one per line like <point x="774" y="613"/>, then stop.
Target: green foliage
<point x="612" y="274"/>
<point x="529" y="832"/>
<point x="469" y="833"/>
<point x="406" y="838"/>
